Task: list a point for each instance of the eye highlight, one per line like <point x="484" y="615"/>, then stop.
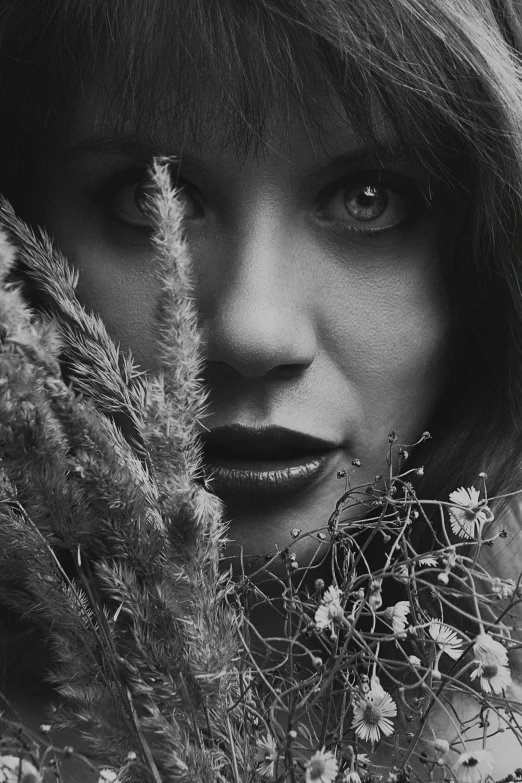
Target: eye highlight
<point x="369" y="204"/>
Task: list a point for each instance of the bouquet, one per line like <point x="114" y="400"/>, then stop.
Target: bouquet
<point x="112" y="540"/>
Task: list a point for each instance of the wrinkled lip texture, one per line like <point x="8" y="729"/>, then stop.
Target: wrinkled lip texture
<point x="264" y="463"/>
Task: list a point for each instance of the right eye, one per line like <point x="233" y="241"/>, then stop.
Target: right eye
<point x="130" y="204"/>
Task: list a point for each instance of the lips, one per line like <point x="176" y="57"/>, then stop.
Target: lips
<point x="264" y="463"/>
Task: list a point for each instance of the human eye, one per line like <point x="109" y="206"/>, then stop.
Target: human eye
<point x="127" y="199"/>
<point x="369" y="202"/>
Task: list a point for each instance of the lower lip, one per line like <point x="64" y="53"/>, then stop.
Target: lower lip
<point x="266" y="480"/>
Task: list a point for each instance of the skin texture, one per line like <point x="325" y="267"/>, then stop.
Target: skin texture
<point x="308" y="322"/>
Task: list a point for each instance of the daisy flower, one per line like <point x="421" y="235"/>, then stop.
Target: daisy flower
<point x="441" y="747"/>
<point x="330" y="610"/>
<point x="504" y="588"/>
<point x="446" y="639"/>
<point x="397" y="616"/>
<point x="493" y="678"/>
<point x="266" y="756"/>
<point x="464" y="521"/>
<point x="473" y="767"/>
<point x="15" y="770"/>
<point x="371" y="715"/>
<point x="108" y="776"/>
<point x="488" y="651"/>
<point x="322" y="767"/>
<point x="428" y="561"/>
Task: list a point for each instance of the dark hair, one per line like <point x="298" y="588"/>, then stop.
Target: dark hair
<point x="445" y="72"/>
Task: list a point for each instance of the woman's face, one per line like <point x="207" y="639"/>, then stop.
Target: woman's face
<point x="318" y="286"/>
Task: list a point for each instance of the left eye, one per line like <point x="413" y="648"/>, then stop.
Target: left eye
<point x="367" y="207"/>
<point x="130" y="204"/>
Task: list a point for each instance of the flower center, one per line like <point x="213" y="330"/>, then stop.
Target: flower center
<point x="489" y="671"/>
<point x="372" y="715"/>
<point x="316" y="769"/>
<point x="471" y="762"/>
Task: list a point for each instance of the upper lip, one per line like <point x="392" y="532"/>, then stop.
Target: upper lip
<point x="247" y="442"/>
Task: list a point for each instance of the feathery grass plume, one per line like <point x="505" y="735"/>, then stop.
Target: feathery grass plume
<point x="96" y="366"/>
<point x="143" y="637"/>
<point x="175" y="412"/>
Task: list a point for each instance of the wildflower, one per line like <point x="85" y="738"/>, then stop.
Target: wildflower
<point x="330" y="610"/>
<point x="473" y="767"/>
<point x="375" y="597"/>
<point x="493" y="678"/>
<point x="464" y="521"/>
<point x="441" y="747"/>
<point x="488" y="651"/>
<point x="504" y="588"/>
<point x="397" y="616"/>
<point x="428" y="561"/>
<point x="266" y="756"/>
<point x="371" y="715"/>
<point x="376" y="687"/>
<point x="362" y="761"/>
<point x="322" y="767"/>
<point x="108" y="776"/>
<point x="16" y="770"/>
<point x="446" y="639"/>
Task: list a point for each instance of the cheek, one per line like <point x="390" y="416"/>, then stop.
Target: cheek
<point x="388" y="327"/>
<point x="124" y="295"/>
<point x="117" y="283"/>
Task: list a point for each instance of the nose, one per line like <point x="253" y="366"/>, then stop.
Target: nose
<point x="257" y="318"/>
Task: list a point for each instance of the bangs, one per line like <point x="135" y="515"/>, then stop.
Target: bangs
<point x="430" y="66"/>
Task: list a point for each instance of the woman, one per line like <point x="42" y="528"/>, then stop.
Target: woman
<point x="351" y="175"/>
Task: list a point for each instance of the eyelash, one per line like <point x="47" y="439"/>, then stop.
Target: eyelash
<point x="394" y="182"/>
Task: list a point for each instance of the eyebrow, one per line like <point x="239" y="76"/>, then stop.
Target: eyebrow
<point x="141" y="149"/>
<point x="110" y="142"/>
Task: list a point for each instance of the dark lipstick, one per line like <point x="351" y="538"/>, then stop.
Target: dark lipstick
<point x="264" y="463"/>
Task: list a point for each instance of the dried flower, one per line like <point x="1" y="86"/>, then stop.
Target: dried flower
<point x="489" y="652"/>
<point x="397" y="616"/>
<point x="464" y="521"/>
<point x="322" y="767"/>
<point x="446" y="639"/>
<point x="504" y="588"/>
<point x="108" y="776"/>
<point x="16" y="770"/>
<point x="371" y="715"/>
<point x="375" y="597"/>
<point x="428" y="561"/>
<point x="266" y="756"/>
<point x="473" y="767"/>
<point x="441" y="747"/>
<point x="493" y="678"/>
<point x="330" y="611"/>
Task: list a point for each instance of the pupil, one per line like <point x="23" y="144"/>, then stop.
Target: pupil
<point x="366" y="203"/>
